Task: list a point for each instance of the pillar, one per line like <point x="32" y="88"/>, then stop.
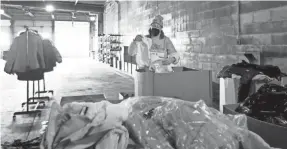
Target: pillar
<point x="53" y="31"/>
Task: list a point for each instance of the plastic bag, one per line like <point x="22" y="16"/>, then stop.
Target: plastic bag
<point x="141" y="50"/>
<point x="158" y="67"/>
<point x="167" y="123"/>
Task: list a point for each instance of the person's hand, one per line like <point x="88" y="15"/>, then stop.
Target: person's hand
<point x="139" y="38"/>
<point x="168" y="61"/>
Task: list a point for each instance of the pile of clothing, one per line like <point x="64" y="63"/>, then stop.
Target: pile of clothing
<point x="150" y="122"/>
<point x="268" y="104"/>
<point x="86" y="126"/>
<point x="30" y="56"/>
<point x="247" y="72"/>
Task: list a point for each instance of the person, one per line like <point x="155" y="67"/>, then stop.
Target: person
<point x="161" y="47"/>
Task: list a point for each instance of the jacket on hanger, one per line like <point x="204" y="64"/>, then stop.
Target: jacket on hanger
<point x="51" y="55"/>
<point x="20" y="59"/>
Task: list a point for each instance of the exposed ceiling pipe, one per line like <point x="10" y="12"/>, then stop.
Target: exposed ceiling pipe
<point x="5" y="14"/>
<point x="60" y="5"/>
<point x="27" y="12"/>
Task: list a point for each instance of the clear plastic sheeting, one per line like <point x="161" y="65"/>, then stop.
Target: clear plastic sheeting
<point x="166" y="123"/>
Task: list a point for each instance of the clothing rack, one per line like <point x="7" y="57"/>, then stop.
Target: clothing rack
<point x="28" y="103"/>
<point x="33" y="98"/>
<point x="28" y="99"/>
<point x="44" y="88"/>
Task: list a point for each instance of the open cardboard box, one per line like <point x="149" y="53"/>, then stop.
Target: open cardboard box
<point x="184" y="83"/>
<point x="274" y="135"/>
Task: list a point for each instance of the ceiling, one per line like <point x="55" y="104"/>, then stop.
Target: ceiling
<point x="77" y="10"/>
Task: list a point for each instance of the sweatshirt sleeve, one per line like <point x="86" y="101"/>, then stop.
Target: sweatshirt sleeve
<point x="55" y="51"/>
<point x="171" y="51"/>
<point x="11" y="57"/>
<point x="58" y="55"/>
<point x="40" y="53"/>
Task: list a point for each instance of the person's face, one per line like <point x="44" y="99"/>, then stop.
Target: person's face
<point x="154" y="32"/>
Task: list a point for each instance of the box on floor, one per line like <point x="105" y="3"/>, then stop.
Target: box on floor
<point x="183" y="83"/>
<point x="229" y="89"/>
<point x="274" y="135"/>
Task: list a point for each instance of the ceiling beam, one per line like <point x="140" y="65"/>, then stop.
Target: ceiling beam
<point x="48" y="18"/>
<point x="69" y="6"/>
<point x="18" y="13"/>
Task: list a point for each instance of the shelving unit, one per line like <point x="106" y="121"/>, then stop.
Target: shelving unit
<point x="113" y="52"/>
<point x="110" y="49"/>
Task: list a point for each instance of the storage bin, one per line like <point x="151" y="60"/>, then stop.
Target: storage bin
<point x="273" y="134"/>
<point x="186" y="84"/>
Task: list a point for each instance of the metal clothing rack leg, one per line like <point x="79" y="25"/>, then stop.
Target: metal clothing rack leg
<point x="28" y="111"/>
<point x="44" y="91"/>
<point x="33" y="98"/>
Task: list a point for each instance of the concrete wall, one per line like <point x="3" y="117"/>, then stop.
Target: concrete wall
<point x="206" y="32"/>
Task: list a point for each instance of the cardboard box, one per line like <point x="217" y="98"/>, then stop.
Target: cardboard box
<point x="229" y="89"/>
<point x="186" y="84"/>
<point x="274" y="135"/>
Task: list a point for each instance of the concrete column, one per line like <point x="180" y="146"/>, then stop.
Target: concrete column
<point x="100" y="23"/>
<point x="53" y="31"/>
<point x="92" y="39"/>
<point x="12" y="31"/>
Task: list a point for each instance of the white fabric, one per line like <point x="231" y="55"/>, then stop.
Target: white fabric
<point x="100" y="117"/>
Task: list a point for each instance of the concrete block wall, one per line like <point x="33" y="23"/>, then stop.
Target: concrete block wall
<point x="211" y="34"/>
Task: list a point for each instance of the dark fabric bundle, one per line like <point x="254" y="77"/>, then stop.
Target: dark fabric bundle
<point x="247" y="72"/>
<point x="268" y="104"/>
<point x="32" y="75"/>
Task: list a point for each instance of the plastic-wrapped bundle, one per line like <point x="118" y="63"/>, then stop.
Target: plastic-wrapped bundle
<point x="166" y="123"/>
<point x="158" y="67"/>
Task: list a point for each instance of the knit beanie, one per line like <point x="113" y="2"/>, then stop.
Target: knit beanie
<point x="157" y="22"/>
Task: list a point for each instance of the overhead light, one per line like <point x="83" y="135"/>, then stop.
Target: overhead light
<point x="92" y="18"/>
<point x="2" y="11"/>
<point x="50" y="8"/>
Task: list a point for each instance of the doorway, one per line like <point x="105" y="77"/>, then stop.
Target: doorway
<point x="72" y="39"/>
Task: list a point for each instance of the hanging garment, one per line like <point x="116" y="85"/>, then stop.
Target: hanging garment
<point x="167" y="123"/>
<point x="100" y="125"/>
<point x="247" y="72"/>
<point x="51" y="55"/>
<point x="20" y="59"/>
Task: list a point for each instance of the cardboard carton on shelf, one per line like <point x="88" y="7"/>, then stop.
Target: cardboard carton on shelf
<point x="274" y="135"/>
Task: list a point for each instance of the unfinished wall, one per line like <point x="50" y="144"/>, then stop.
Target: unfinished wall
<point x="209" y="34"/>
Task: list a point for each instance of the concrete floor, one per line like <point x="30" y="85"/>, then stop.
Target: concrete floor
<point x="71" y="78"/>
